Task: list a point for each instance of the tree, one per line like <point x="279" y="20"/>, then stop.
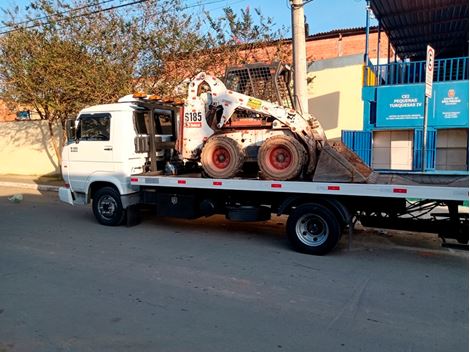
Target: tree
<point x="65" y="56"/>
<point x="247" y="38"/>
<point x="59" y="61"/>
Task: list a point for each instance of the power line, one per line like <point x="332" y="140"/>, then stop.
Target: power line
<point x="76" y="16"/>
<point x="99" y="11"/>
<point x="221" y="7"/>
<point x="59" y="13"/>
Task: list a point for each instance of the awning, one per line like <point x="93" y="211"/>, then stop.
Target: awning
<point x="413" y="24"/>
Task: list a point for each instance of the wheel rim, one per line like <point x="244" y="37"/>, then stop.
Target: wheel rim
<point x="280" y="158"/>
<point x="221" y="158"/>
<point x="107" y="206"/>
<point x="312" y="230"/>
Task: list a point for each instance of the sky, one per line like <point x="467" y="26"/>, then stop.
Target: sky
<point x="322" y="15"/>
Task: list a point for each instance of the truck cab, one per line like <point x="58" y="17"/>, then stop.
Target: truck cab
<point x="99" y="150"/>
<point x="108" y="143"/>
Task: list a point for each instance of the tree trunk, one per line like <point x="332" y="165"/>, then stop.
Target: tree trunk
<point x="54" y="142"/>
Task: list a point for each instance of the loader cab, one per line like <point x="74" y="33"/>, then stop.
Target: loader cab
<point x="271" y="82"/>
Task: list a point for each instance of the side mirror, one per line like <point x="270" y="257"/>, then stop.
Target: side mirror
<point x="71" y="131"/>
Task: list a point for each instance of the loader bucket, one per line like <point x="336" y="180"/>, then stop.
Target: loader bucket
<point x="337" y="163"/>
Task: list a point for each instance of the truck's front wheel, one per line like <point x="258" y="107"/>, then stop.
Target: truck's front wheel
<point x="107" y="207"/>
<point x="313" y="229"/>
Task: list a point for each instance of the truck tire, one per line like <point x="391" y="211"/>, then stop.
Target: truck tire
<point x="107" y="207"/>
<point x="313" y="229"/>
<point x="281" y="158"/>
<point x="221" y="157"/>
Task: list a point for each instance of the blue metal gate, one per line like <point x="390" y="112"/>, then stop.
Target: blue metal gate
<point x="430" y="149"/>
<point x="359" y="142"/>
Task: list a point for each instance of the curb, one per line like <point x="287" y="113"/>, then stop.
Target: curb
<point x="47" y="188"/>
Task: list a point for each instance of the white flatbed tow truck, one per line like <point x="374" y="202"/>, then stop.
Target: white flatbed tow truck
<point x="143" y="151"/>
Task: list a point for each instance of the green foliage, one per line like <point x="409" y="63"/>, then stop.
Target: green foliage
<point x="69" y="55"/>
<point x="246" y="37"/>
<point x="232" y="29"/>
<point x="65" y="55"/>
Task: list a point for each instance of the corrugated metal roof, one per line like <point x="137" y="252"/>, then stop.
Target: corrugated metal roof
<point x="342" y="31"/>
<point x="413" y="24"/>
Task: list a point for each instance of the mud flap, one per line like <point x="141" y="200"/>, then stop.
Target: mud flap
<point x="65" y="195"/>
<point x="133" y="215"/>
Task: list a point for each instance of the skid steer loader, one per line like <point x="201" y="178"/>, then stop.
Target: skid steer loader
<point x="250" y="120"/>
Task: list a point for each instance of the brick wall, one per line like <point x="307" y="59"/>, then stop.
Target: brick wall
<point x="319" y="47"/>
<point x="344" y="45"/>
<point x="5" y="113"/>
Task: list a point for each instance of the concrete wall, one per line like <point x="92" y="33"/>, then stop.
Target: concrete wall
<point x="335" y="94"/>
<point x="26" y="149"/>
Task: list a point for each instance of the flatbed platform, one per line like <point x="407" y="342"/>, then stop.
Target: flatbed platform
<point x="452" y="191"/>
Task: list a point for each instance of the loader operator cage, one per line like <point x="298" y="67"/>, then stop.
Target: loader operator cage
<point x="271" y="82"/>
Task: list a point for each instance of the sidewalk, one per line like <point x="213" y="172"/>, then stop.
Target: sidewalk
<point x="40" y="183"/>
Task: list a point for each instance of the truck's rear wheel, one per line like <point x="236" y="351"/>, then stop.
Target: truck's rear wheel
<point x="107" y="207"/>
<point x="221" y="157"/>
<point x="281" y="158"/>
<point x="313" y="229"/>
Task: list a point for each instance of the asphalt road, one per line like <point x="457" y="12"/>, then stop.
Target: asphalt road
<point x="69" y="284"/>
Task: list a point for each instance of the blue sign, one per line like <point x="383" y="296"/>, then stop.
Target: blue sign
<point x="450" y="104"/>
<point x="400" y="106"/>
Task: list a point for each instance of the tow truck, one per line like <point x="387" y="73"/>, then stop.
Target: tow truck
<point x="239" y="149"/>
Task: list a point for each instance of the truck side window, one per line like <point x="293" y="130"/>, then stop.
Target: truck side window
<point x="94" y="127"/>
<point x="164" y="121"/>
<point x="139" y="122"/>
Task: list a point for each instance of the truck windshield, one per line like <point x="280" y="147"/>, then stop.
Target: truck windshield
<point x="94" y="127"/>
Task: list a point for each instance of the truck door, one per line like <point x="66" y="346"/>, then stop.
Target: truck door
<point x="93" y="151"/>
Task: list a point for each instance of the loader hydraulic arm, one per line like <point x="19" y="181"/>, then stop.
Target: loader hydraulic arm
<point x="306" y="126"/>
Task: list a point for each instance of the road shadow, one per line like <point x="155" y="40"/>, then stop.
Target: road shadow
<point x="270" y="234"/>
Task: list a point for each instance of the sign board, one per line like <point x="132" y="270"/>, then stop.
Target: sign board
<point x="450" y="105"/>
<point x="429" y="70"/>
<point x="400" y="106"/>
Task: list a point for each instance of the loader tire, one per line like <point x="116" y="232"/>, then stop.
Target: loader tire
<point x="281" y="158"/>
<point x="222" y="157"/>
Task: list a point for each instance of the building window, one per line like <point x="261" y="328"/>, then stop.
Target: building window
<point x="23" y="115"/>
<point x="452" y="149"/>
<point x="393" y="150"/>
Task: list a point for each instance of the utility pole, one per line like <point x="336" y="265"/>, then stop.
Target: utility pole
<point x="366" y="52"/>
<point x="300" y="56"/>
